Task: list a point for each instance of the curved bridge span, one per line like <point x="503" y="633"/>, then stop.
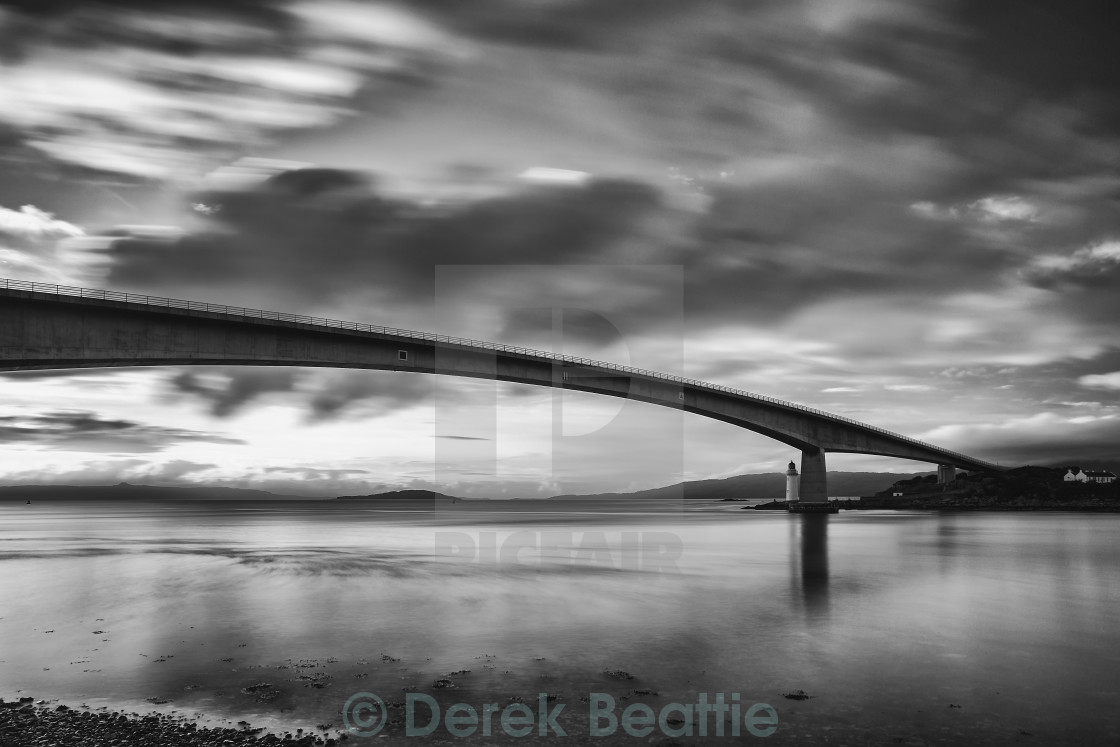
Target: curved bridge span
<point x="60" y="327"/>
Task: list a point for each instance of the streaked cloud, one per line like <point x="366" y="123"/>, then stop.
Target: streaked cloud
<point x="1040" y="438"/>
<point x="86" y="431"/>
<point x="157" y="88"/>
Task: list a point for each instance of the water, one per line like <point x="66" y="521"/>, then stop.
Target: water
<point x="907" y="628"/>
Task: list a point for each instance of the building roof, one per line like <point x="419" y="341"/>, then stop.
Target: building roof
<point x="1099" y="474"/>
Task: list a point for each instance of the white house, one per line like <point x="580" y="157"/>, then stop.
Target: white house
<point x="1076" y="474"/>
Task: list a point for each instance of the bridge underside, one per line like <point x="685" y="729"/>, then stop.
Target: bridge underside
<point x="47" y="331"/>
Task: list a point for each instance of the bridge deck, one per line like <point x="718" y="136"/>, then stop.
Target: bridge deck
<point x="12" y="288"/>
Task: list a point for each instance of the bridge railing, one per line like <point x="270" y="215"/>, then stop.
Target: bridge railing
<point x="174" y="303"/>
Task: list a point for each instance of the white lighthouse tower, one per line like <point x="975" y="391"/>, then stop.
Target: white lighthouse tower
<point x="793" y="483"/>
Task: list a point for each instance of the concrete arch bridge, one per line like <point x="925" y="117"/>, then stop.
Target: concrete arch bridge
<point x="60" y="327"/>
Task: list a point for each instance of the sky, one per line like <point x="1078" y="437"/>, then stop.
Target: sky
<point x="904" y="213"/>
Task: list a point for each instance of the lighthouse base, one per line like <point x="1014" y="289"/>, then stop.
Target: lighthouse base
<point x="813" y="507"/>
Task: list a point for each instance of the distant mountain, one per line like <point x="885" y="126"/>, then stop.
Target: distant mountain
<point x="763" y="486"/>
<point x="401" y="495"/>
<point x="127" y="492"/>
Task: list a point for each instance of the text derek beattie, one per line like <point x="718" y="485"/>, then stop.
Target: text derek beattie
<point x="365" y="715"/>
<point x="651" y="552"/>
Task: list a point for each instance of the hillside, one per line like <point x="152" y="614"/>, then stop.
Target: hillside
<point x="756" y="486"/>
<point x="401" y="495"/>
<point x="127" y="492"/>
<point x="1023" y="488"/>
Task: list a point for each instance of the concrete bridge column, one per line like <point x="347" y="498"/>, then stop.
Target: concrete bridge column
<point x="814" y="487"/>
<point x="946" y="473"/>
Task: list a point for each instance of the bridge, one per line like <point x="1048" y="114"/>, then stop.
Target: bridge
<point x="45" y="326"/>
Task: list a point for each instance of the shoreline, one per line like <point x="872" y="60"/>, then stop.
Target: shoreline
<point x="30" y="721"/>
<point x="847" y="505"/>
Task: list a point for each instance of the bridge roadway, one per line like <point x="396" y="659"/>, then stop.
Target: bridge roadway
<point x="46" y="326"/>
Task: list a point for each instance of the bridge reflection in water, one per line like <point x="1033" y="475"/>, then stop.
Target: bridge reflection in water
<point x="808" y="551"/>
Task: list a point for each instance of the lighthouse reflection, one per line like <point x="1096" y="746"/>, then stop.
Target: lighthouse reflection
<point x="809" y="563"/>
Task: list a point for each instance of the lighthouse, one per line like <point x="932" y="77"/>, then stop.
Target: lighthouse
<point x="793" y="484"/>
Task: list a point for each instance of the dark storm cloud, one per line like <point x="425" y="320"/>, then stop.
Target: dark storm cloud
<point x="322" y="394"/>
<point x="379" y="393"/>
<point x="1075" y="386"/>
<point x="759" y="253"/>
<point x="314" y="233"/>
<point x="1057" y="48"/>
<point x="565" y="24"/>
<point x="1086" y="281"/>
<point x="1085" y="269"/>
<point x="290" y="231"/>
<point x="1045" y="439"/>
<point x="111" y="23"/>
<point x="227" y="391"/>
<point x="537" y="324"/>
<point x="832" y="121"/>
<point x="86" y="431"/>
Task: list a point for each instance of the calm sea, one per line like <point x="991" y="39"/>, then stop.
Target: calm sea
<point x="901" y="628"/>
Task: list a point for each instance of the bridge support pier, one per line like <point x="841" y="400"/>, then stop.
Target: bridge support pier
<point x="946" y="473"/>
<point x="814" y="487"/>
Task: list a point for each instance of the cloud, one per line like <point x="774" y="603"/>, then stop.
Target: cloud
<point x="86" y="431"/>
<point x="1108" y="381"/>
<point x="323" y="394"/>
<point x="228" y="390"/>
<point x="561" y="24"/>
<point x="379" y="394"/>
<point x="314" y="473"/>
<point x="1083" y="283"/>
<point x="992" y="209"/>
<point x="29" y="241"/>
<point x="136" y="471"/>
<point x="154" y="87"/>
<point x="807" y="169"/>
<point x="1089" y="266"/>
<point x="316" y="236"/>
<point x="1002" y="208"/>
<point x="1044" y="438"/>
<point x="172" y="471"/>
<point x="891" y="205"/>
<point x="33" y="229"/>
